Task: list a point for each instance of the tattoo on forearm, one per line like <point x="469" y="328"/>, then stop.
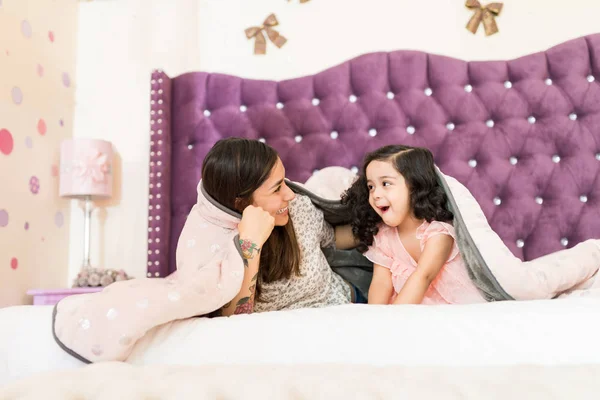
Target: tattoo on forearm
<point x="244" y="306"/>
<point x="252" y="287"/>
<point x="249" y="248"/>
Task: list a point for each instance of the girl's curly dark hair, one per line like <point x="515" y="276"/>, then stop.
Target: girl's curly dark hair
<point x="427" y="197"/>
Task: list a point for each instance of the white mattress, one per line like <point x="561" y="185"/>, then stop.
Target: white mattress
<point x="550" y="332"/>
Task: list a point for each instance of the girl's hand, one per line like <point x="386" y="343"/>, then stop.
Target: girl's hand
<point x="256" y="225"/>
<point x="381" y="288"/>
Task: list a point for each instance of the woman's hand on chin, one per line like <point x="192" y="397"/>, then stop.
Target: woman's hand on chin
<point x="256" y="225"/>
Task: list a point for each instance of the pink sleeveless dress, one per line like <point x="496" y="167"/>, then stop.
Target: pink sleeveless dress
<point x="452" y="284"/>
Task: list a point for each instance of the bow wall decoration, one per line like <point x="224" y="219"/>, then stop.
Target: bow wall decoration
<point x="258" y="33"/>
<point x="486" y="14"/>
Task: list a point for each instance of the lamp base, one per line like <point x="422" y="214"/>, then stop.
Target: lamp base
<point x="94" y="277"/>
<point x="87" y="232"/>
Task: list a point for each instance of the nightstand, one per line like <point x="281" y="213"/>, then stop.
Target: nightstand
<point x="49" y="297"/>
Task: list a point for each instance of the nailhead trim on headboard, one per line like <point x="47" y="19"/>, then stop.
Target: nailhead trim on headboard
<point x="160" y="169"/>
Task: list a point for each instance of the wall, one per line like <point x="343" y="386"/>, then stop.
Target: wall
<point x="37" y="90"/>
<point x="184" y="35"/>
<point x="113" y="95"/>
<point x="323" y="33"/>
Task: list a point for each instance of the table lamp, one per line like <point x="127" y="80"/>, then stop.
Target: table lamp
<point x="86" y="173"/>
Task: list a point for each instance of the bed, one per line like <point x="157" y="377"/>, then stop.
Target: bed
<point x="522" y="135"/>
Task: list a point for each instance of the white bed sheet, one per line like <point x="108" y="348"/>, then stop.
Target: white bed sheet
<point x="548" y="332"/>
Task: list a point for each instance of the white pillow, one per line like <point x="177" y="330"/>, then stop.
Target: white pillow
<point x="330" y="182"/>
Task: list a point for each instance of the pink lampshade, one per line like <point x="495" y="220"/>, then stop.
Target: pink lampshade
<point x="86" y="167"/>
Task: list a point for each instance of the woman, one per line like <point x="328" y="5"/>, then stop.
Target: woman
<point x="248" y="244"/>
<point x="280" y="233"/>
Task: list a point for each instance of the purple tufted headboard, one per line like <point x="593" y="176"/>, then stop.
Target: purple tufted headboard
<point x="522" y="135"/>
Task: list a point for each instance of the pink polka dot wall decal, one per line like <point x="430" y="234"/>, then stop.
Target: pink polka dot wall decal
<point x="61" y="122"/>
<point x="59" y="219"/>
<point x="34" y="185"/>
<point x="66" y="79"/>
<point x="3" y="218"/>
<point x="17" y="95"/>
<point x="26" y="226"/>
<point x="40" y="70"/>
<point x="14" y="263"/>
<point x="41" y="127"/>
<point x="54" y="170"/>
<point x="51" y="36"/>
<point x="26" y="28"/>
<point x="28" y="142"/>
<point x="6" y="142"/>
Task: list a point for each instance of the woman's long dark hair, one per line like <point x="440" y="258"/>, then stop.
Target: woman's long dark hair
<point x="427" y="197"/>
<point x="232" y="170"/>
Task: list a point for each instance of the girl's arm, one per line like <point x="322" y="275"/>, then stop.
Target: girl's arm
<point x="344" y="238"/>
<point x="381" y="287"/>
<point x="434" y="256"/>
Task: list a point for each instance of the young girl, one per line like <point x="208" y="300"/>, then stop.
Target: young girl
<point x="401" y="220"/>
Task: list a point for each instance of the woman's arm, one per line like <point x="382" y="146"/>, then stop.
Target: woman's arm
<point x="243" y="302"/>
<point x="344" y="238"/>
<point x="254" y="228"/>
<point x="434" y="256"/>
<point x="381" y="288"/>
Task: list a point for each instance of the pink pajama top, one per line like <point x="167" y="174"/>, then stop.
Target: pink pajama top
<point x="452" y="284"/>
